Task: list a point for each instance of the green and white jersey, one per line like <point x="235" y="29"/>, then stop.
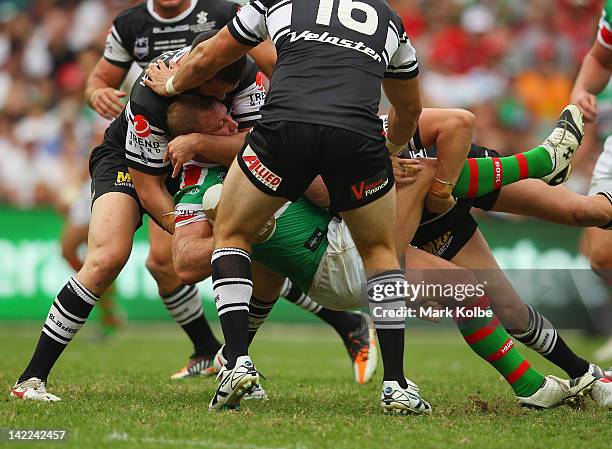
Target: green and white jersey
<point x="604" y="35"/>
<point x="296" y="245"/>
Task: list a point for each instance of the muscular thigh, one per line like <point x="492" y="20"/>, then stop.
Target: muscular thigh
<point x="160" y="244"/>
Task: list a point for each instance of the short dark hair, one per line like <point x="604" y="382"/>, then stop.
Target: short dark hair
<point x="230" y="74"/>
<point x="183" y="114"/>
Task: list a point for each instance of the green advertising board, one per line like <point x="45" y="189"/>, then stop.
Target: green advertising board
<point x="32" y="270"/>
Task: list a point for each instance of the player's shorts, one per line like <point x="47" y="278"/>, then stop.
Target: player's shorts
<point x="339" y="280"/>
<point x="445" y="235"/>
<point x="80" y="209"/>
<point x="282" y="158"/>
<point x="109" y="173"/>
<point x="188" y="200"/>
<point x="602" y="174"/>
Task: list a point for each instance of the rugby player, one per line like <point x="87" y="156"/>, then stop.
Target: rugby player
<point x="592" y="79"/>
<point x="133" y="140"/>
<point x="320" y="119"/>
<point x="303" y="247"/>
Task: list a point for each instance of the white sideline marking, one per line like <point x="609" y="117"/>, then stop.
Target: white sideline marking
<point x="208" y="444"/>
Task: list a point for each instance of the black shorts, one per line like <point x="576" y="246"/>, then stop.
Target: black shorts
<point x="282" y="159"/>
<point x="444" y="236"/>
<point x="109" y="173"/>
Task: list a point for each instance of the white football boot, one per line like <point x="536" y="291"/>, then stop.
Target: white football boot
<point x="556" y="391"/>
<point x="33" y="389"/>
<point x="562" y="144"/>
<point x="396" y="400"/>
<point x="234" y="384"/>
<point x="256" y="393"/>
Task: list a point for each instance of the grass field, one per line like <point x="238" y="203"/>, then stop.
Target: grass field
<point x="117" y="395"/>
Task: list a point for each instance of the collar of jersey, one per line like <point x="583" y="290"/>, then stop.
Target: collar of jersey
<point x="178" y="18"/>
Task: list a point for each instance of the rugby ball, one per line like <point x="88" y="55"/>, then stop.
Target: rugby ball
<point x="210" y="202"/>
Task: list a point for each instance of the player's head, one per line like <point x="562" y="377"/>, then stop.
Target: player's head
<point x="226" y="79"/>
<point x="190" y="113"/>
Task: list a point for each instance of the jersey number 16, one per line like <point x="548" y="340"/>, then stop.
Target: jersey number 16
<point x="345" y="9"/>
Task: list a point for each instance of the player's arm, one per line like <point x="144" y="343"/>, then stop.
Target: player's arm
<point x="265" y="57"/>
<point x="247" y="30"/>
<point x="101" y="90"/>
<point x="155" y="198"/>
<point x="592" y="79"/>
<point x="192" y="248"/>
<point x="534" y="198"/>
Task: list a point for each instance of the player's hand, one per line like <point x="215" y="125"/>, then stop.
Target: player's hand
<point x="181" y="150"/>
<point x="405" y="171"/>
<point x="106" y="101"/>
<point x="439" y="205"/>
<point x="157" y="75"/>
<point x="587" y="103"/>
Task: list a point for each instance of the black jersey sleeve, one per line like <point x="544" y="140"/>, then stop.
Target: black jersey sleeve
<point x="249" y="26"/>
<point x="248" y="98"/>
<point x="146" y="140"/>
<point x="119" y="39"/>
<point x="400" y="52"/>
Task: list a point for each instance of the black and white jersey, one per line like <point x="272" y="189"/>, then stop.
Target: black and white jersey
<point x="141" y="134"/>
<point x="332" y="57"/>
<point x="139" y="34"/>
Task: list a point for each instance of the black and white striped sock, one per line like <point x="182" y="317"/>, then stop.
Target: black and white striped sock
<point x="66" y="316"/>
<point x="258" y="313"/>
<point x="386" y="303"/>
<point x="185" y="306"/>
<point x="542" y="337"/>
<point x="293" y="294"/>
<point x="233" y="287"/>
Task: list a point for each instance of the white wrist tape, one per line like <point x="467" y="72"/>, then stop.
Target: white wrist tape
<point x="170" y="87"/>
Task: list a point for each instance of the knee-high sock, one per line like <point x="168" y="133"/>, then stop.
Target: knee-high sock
<point x="258" y="313"/>
<point x="483" y="175"/>
<point x="66" y="316"/>
<point x="390" y="330"/>
<point x="233" y="287"/>
<point x="343" y="322"/>
<point x="185" y="306"/>
<point x="542" y="337"/>
<point x="487" y="338"/>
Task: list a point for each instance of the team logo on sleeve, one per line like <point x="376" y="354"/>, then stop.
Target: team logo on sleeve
<point x="262" y="173"/>
<point x="141" y="126"/>
<point x="141" y="47"/>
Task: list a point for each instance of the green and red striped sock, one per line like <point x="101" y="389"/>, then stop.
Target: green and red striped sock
<point x="483" y="175"/>
<point x="488" y="338"/>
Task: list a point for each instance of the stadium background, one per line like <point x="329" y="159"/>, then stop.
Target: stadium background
<point x="469" y="58"/>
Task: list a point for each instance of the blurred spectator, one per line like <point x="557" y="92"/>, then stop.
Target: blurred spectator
<point x="512" y="62"/>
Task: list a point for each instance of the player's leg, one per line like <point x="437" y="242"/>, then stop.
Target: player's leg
<point x="524" y="323"/>
<point x="533" y="198"/>
<point x="487" y="337"/>
<point x="549" y="162"/>
<point x="183" y="303"/>
<point x="115" y="216"/>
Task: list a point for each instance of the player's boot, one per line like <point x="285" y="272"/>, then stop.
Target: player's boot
<point x="33" y="389"/>
<point x="233" y="384"/>
<point x="601" y="392"/>
<point x="198" y="365"/>
<point x="362" y="349"/>
<point x="562" y="143"/>
<point x="555" y="392"/>
<point x="396" y="400"/>
<point x="257" y="392"/>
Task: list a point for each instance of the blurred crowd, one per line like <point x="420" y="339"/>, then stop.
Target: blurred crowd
<point x="512" y="62"/>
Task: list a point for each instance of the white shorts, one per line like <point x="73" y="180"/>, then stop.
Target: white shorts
<point x="340" y="277"/>
<point x="602" y="175"/>
<point x="80" y="209"/>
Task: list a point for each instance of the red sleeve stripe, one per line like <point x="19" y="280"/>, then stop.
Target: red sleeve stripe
<point x="605" y="37"/>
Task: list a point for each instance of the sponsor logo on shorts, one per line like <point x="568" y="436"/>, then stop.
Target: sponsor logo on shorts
<point x="141" y="126"/>
<point x="439" y="245"/>
<point x="263" y="174"/>
<point x="124" y="179"/>
<point x="368" y="187"/>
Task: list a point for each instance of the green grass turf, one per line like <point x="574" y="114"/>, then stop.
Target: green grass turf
<point x="117" y="395"/>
